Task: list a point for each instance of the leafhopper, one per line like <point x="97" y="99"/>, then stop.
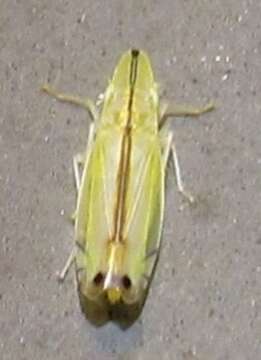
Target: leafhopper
<point x="120" y="204"/>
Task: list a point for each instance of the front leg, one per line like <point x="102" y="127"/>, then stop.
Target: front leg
<point x="86" y="103"/>
<point x="183" y="110"/>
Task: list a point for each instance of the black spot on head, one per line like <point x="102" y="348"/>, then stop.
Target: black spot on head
<point x="126" y="282"/>
<point x="98" y="279"/>
<point x="135" y="52"/>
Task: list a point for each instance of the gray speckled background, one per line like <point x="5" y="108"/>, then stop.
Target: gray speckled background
<point x="205" y="301"/>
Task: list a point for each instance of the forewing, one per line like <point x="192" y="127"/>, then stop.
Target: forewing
<point x="144" y="214"/>
<point x="94" y="218"/>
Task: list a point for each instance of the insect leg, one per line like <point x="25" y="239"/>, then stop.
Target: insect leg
<point x="179" y="181"/>
<point x="169" y="147"/>
<point x="76" y="100"/>
<point x="80" y="158"/>
<point x="68" y="264"/>
<point x="183" y="110"/>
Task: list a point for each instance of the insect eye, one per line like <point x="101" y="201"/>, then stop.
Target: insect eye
<point x="126" y="282"/>
<point x="98" y="279"/>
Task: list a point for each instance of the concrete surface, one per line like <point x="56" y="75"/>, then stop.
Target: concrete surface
<point x="205" y="300"/>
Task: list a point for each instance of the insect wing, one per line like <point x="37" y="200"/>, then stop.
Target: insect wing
<point x="144" y="211"/>
<point x="93" y="227"/>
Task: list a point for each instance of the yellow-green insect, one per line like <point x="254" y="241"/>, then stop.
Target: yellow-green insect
<point x="121" y="196"/>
